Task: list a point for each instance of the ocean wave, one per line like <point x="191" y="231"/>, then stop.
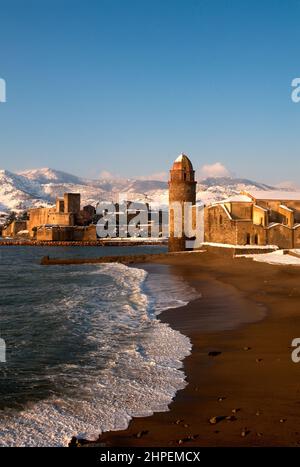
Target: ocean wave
<point x="130" y="365"/>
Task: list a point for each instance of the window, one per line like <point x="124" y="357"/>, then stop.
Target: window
<point x="247" y="239"/>
<point x="220" y="219"/>
<point x="255" y="239"/>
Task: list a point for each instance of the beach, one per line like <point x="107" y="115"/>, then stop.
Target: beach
<point x="243" y="388"/>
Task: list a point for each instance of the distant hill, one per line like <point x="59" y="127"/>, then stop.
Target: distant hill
<point x="39" y="187"/>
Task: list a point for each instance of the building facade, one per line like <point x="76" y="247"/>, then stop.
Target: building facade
<point x="249" y="218"/>
<point x="63" y="222"/>
<point x="255" y="218"/>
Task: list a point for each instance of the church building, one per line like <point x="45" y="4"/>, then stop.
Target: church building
<point x="248" y="218"/>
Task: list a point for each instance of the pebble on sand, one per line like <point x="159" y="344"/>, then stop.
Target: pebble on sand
<point x="217" y="419"/>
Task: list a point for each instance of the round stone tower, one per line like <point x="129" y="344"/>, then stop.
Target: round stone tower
<point x="182" y="189"/>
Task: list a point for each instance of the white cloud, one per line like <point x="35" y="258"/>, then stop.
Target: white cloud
<point x="213" y="170"/>
<point x="106" y="175"/>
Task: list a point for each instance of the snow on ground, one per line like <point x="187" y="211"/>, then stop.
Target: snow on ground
<point x="276" y="257"/>
<point x="245" y="247"/>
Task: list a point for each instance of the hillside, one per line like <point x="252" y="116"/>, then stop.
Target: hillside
<point x="39" y="187"/>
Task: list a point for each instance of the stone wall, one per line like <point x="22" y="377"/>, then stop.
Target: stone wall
<point x="250" y="234"/>
<point x="296" y="239"/>
<point x="46" y="216"/>
<point x="240" y="210"/>
<point x="13" y="228"/>
<point x="280" y="235"/>
<point x="72" y="202"/>
<point x="66" y="233"/>
<point x="260" y="215"/>
<point x="218" y="227"/>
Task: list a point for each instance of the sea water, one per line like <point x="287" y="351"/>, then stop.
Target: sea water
<point x="85" y="351"/>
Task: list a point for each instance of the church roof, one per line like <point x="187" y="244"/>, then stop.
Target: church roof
<point x="275" y="195"/>
<point x="182" y="163"/>
<point x="237" y="199"/>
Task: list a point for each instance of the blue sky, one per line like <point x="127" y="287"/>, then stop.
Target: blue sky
<point x="125" y="85"/>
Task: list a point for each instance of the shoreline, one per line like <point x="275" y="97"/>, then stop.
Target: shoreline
<point x="252" y="381"/>
<point x="101" y="242"/>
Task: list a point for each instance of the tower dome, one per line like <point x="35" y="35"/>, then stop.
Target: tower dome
<point x="182" y="163"/>
<point x="182" y="170"/>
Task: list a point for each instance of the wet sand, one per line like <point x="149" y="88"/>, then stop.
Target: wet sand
<point x="250" y="313"/>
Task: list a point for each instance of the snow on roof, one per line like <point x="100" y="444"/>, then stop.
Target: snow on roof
<point x="285" y="207"/>
<point x="227" y="212"/>
<point x="237" y="199"/>
<point x="275" y="195"/>
<point x="260" y="207"/>
<point x="180" y="157"/>
<point x="273" y="224"/>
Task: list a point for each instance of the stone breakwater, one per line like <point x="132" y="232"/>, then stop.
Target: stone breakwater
<point x="87" y="243"/>
<point x="124" y="259"/>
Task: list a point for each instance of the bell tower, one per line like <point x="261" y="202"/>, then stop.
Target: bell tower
<point x="182" y="189"/>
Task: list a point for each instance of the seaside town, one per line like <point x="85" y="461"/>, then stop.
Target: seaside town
<point x="149" y="231"/>
<point x="250" y="220"/>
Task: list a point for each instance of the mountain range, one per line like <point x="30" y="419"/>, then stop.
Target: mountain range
<point x="39" y="187"/>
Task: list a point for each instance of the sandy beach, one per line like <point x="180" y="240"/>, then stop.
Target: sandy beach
<point x="243" y="388"/>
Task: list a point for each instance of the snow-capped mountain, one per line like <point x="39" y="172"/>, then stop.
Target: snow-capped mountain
<point x="47" y="175"/>
<point x="18" y="192"/>
<point x="39" y="187"/>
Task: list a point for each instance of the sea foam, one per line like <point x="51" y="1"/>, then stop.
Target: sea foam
<point x="130" y="364"/>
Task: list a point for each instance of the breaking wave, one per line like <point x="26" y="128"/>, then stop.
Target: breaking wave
<point x="86" y="352"/>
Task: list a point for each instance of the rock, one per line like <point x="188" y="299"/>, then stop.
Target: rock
<point x="214" y="353"/>
<point x="190" y="438"/>
<point x="235" y="410"/>
<point x="178" y="421"/>
<point x="247" y="348"/>
<point x="245" y="432"/>
<point x="282" y="420"/>
<point x="220" y="399"/>
<point x="217" y="419"/>
<point x="141" y="433"/>
<point x="73" y="443"/>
